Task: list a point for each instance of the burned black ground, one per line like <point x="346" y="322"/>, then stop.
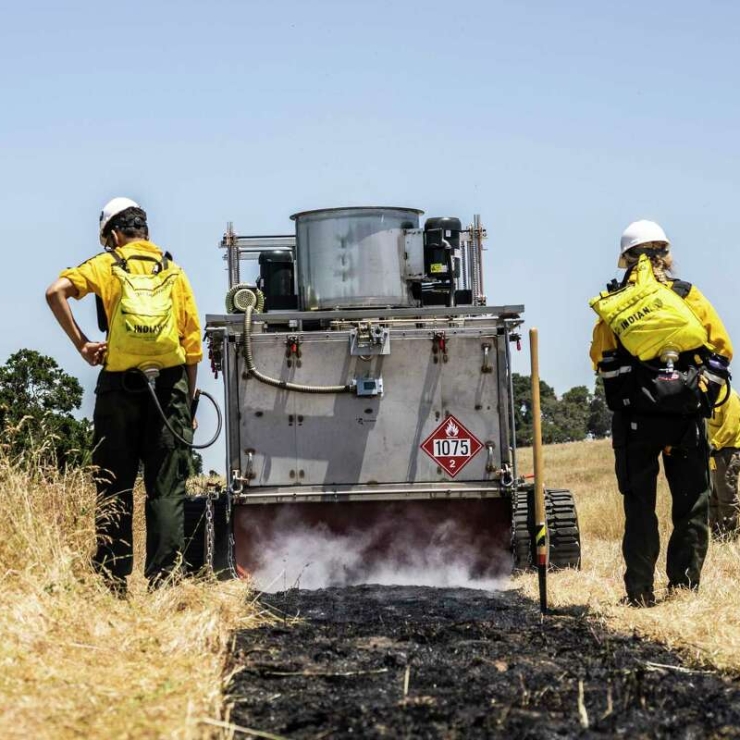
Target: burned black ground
<point x="401" y="662"/>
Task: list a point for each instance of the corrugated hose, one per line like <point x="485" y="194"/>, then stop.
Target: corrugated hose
<point x="275" y="382"/>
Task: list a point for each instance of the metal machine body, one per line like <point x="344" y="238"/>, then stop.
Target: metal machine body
<point x="422" y="431"/>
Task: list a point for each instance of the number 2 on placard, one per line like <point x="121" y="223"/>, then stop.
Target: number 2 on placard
<point x="453" y="462"/>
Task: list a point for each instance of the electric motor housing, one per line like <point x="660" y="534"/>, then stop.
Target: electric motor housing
<point x="441" y="241"/>
<point x="277" y="280"/>
<point x="441" y="259"/>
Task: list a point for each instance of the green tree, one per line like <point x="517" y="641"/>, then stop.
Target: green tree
<point x="599" y="416"/>
<point x="523" y="410"/>
<point x="573" y="414"/>
<point x="36" y="402"/>
<point x="567" y="419"/>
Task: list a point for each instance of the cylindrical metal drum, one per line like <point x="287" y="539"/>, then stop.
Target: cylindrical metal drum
<point x="353" y="257"/>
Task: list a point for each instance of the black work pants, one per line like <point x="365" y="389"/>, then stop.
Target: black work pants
<point x="129" y="432"/>
<point x="639" y="442"/>
<point x="723" y="503"/>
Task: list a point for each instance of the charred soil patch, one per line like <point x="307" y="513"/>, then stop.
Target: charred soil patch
<point x="414" y="662"/>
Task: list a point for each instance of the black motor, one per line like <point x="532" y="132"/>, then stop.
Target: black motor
<point x="441" y="265"/>
<point x="277" y="281"/>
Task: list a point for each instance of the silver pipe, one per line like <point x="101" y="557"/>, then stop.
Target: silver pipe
<point x="492" y="492"/>
<point x="510" y="379"/>
<point x="473" y="249"/>
<point x="479" y="256"/>
<point x="464" y="266"/>
<point x="497" y="313"/>
<point x="232" y="254"/>
<point x="225" y="372"/>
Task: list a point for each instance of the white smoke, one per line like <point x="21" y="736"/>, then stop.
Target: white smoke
<point x="298" y="555"/>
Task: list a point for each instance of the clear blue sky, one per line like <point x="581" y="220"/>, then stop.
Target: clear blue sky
<point x="558" y="122"/>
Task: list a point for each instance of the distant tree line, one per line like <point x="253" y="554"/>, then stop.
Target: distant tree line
<point x="37" y="399"/>
<point x="576" y="415"/>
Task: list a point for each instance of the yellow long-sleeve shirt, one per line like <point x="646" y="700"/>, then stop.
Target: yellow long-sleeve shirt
<point x="96" y="276"/>
<point x="718" y="339"/>
<point x="724" y="424"/>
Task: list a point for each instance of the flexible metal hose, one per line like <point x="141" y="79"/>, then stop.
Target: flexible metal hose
<point x="285" y="385"/>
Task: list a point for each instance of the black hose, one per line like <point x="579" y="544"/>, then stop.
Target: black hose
<point x="192" y="446"/>
<point x="728" y="392"/>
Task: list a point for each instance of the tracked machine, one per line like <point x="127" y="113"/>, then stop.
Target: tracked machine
<point x="368" y="397"/>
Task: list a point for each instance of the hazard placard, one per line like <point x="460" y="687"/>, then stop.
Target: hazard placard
<point x="452" y="446"/>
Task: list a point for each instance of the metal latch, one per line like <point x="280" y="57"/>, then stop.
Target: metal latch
<point x="368" y="339"/>
<point x="486" y="367"/>
<point x="249" y="473"/>
<point x="293" y="350"/>
<point x="439" y="346"/>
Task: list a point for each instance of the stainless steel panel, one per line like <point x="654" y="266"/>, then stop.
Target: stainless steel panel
<point x="267" y="424"/>
<point x="414" y="248"/>
<point x="342" y="439"/>
<point x="353" y="257"/>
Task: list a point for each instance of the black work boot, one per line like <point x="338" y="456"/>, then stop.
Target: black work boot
<point x="643" y="599"/>
<point x="117" y="586"/>
<point x="677" y="588"/>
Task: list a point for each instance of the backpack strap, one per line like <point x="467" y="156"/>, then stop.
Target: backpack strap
<point x="159" y="265"/>
<point x="102" y="318"/>
<point x="681" y="288"/>
<point x="120" y="261"/>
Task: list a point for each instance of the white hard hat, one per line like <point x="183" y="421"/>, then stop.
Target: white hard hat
<point x="640" y="232"/>
<point x="113" y="208"/>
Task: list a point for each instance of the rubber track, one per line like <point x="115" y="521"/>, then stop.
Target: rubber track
<point x="521" y="530"/>
<point x="562" y="526"/>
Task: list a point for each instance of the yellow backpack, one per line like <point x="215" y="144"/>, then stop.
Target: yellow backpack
<point x="143" y="327"/>
<point x="647" y="316"/>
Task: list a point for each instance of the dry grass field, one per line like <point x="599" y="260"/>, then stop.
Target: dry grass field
<point x="76" y="662"/>
<point x="704" y="627"/>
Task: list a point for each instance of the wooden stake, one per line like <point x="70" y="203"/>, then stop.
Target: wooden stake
<point x="540" y="524"/>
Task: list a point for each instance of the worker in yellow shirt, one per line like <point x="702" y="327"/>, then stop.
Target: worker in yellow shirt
<point x="662" y="352"/>
<point x="724" y="437"/>
<point x="153" y="342"/>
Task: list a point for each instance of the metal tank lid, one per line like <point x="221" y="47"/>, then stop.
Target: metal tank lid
<point x="356" y="208"/>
